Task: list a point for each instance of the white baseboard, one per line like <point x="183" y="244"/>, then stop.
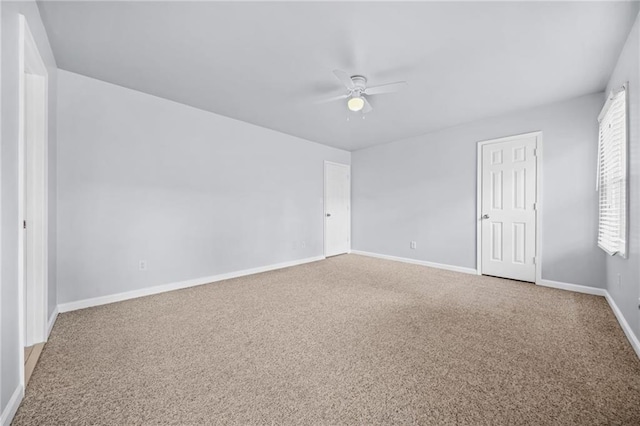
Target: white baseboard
<point x="418" y="262"/>
<point x="633" y="339"/>
<point x="573" y="287"/>
<point x="112" y="298"/>
<point x="631" y="336"/>
<point x="12" y="406"/>
<point x="52" y="320"/>
<point x="103" y="300"/>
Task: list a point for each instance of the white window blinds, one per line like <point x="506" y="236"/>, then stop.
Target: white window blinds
<point x="612" y="174"/>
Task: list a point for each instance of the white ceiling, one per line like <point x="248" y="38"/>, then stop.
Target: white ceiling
<point x="268" y="63"/>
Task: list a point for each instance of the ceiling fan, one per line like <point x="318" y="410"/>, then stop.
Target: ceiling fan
<point x="358" y="91"/>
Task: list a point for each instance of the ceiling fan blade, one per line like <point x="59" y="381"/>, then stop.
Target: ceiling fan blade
<point x="331" y="99"/>
<point x="385" y="88"/>
<point x="367" y="106"/>
<point x="344" y="79"/>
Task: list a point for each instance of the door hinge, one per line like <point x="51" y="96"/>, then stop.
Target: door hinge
<point x="535" y="152"/>
<point x="535" y="206"/>
<point x="534" y="260"/>
<point x="24" y="224"/>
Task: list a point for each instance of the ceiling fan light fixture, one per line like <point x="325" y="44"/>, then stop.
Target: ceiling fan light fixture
<point x="355" y="103"/>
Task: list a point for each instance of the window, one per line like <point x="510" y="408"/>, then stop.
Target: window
<point x="612" y="174"/>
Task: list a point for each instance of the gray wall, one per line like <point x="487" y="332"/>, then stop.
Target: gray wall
<point x="9" y="190"/>
<point x="626" y="293"/>
<point x="424" y="189"/>
<point x="193" y="193"/>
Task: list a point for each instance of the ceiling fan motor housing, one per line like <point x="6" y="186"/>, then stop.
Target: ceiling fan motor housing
<point x="359" y="82"/>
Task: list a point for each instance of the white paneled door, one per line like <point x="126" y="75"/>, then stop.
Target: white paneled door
<point x="337" y="206"/>
<point x="508" y="208"/>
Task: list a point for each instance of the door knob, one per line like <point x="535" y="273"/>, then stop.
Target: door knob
<point x="328" y="214"/>
<point x="486" y="216"/>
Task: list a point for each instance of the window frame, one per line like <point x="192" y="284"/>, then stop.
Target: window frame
<point x="621" y="248"/>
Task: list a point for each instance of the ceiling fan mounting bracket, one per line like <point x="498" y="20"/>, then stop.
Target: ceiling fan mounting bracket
<point x="360" y="82"/>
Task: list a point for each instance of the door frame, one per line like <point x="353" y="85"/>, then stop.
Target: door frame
<point x="30" y="61"/>
<point x="324" y="204"/>
<point x="538" y="202"/>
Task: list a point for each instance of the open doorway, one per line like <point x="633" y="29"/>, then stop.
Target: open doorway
<point x="32" y="207"/>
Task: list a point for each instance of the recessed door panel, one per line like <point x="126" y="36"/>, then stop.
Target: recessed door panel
<point x="496" y="190"/>
<point x="496" y="241"/>
<point x="519" y="185"/>
<point x="519" y="154"/>
<point x="496" y="156"/>
<point x="519" y="242"/>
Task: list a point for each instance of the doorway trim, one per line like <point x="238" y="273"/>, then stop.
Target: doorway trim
<point x="539" y="170"/>
<point x="324" y="204"/>
<point x="30" y="61"/>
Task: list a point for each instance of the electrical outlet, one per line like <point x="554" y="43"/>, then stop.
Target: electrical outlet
<point x="413" y="245"/>
<point x="142" y="265"/>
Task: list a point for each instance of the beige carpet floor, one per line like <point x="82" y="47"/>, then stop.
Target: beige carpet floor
<point x="349" y="340"/>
